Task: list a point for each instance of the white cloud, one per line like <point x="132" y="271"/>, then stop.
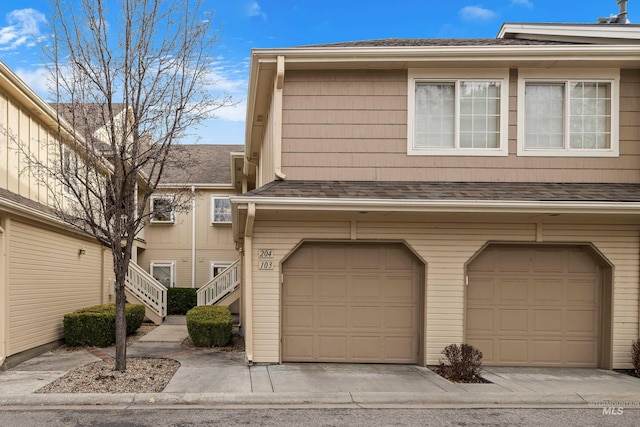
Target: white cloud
<point x="23" y="29"/>
<point x="523" y="3"/>
<point x="254" y="9"/>
<point x="476" y="13"/>
<point x="36" y="79"/>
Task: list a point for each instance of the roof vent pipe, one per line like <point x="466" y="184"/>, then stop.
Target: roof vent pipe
<point x="622" y="14"/>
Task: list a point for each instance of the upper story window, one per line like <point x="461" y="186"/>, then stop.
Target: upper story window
<point x="162" y="209"/>
<point x="70" y="171"/>
<point x="220" y="210"/>
<point x="568" y="113"/>
<point x="458" y="112"/>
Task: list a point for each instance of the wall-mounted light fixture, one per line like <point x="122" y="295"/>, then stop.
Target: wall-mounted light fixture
<point x="81" y="251"/>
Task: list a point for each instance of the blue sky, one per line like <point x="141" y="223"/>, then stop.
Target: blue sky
<point x="246" y="24"/>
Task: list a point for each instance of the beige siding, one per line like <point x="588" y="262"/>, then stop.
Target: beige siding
<point x="352" y="125"/>
<point x="267" y="167"/>
<point x="173" y="242"/>
<point x="47" y="278"/>
<point x="445" y="248"/>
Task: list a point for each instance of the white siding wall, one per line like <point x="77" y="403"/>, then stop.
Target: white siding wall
<point x="446" y="248"/>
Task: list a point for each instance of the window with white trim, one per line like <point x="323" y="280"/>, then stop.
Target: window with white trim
<point x="164" y="272"/>
<point x="458" y="112"/>
<point x="220" y="210"/>
<point x="217" y="267"/>
<point x="568" y="113"/>
<point x="162" y="210"/>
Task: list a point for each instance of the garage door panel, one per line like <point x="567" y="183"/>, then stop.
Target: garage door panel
<point x="366" y="287"/>
<point x="512" y="292"/>
<point x="298" y="316"/>
<point x="510" y="320"/>
<point x="331" y="316"/>
<point x="555" y="322"/>
<point x="482" y="291"/>
<point x="366" y="317"/>
<point x="328" y="258"/>
<point x="301" y="287"/>
<point x="513" y="351"/>
<point x="547" y="292"/>
<point x="363" y="300"/>
<point x="331" y="287"/>
<point x="480" y="320"/>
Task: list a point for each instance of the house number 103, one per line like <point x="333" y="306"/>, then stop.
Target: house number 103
<point x="265" y="265"/>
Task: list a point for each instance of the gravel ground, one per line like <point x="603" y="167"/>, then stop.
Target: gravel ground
<point x="143" y="375"/>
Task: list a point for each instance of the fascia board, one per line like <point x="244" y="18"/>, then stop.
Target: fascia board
<point x="606" y="33"/>
<point x="199" y="186"/>
<point x="472" y="206"/>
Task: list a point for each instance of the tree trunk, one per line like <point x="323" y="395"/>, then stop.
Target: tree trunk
<point x="121" y="325"/>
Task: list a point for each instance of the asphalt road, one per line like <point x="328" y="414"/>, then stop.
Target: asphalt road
<point x="109" y="417"/>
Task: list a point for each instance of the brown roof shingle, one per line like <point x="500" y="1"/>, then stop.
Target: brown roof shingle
<point x="498" y="191"/>
<point x="402" y="42"/>
<point x="199" y="164"/>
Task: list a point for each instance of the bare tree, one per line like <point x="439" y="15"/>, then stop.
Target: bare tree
<point x="128" y="83"/>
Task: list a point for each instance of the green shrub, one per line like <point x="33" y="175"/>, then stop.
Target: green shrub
<point x="462" y="363"/>
<point x="209" y="325"/>
<point x="96" y="325"/>
<point x="181" y="300"/>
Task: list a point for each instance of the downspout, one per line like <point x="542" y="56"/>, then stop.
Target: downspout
<point x="248" y="283"/>
<point x="277" y="120"/>
<point x="3" y="311"/>
<point x="193" y="236"/>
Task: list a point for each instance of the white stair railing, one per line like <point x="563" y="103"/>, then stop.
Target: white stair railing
<point x="151" y="292"/>
<point x="220" y="286"/>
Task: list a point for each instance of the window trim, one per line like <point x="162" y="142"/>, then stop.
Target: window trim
<point x="214" y="264"/>
<point x="213" y="214"/>
<point x="565" y="75"/>
<point x="152" y="215"/>
<point x="70" y="171"/>
<point x="170" y="264"/>
<point x="419" y="75"/>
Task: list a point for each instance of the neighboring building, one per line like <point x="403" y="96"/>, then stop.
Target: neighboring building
<point x="187" y="249"/>
<point x="410" y="194"/>
<point x="46" y="268"/>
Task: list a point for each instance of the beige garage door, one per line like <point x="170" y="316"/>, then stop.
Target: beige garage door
<point x="351" y="303"/>
<point x="531" y="306"/>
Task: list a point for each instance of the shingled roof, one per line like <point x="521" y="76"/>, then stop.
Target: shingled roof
<point x="494" y="191"/>
<point x="398" y="42"/>
<point x="199" y="164"/>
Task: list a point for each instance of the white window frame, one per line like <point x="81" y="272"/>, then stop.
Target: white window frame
<point x="418" y="75"/>
<point x="605" y="75"/>
<point x="153" y="219"/>
<point x="170" y="264"/>
<point x="213" y="213"/>
<point x="217" y="264"/>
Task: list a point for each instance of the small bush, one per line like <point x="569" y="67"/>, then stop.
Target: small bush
<point x="181" y="300"/>
<point x="96" y="325"/>
<point x="462" y="363"/>
<point x="635" y="356"/>
<point x="209" y="325"/>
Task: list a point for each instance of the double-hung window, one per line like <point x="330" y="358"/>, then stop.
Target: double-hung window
<point x="568" y="113"/>
<point x="458" y="112"/>
<point x="220" y="210"/>
<point x="162" y="210"/>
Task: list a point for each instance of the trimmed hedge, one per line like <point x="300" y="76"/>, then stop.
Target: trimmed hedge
<point x="209" y="325"/>
<point x="181" y="300"/>
<point x="96" y="325"/>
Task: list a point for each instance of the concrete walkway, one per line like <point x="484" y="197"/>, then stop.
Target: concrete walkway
<point x="211" y="377"/>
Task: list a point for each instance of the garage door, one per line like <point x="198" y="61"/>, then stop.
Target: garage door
<point x="535" y="306"/>
<point x="351" y="303"/>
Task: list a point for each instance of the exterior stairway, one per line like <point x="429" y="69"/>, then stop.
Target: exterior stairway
<point x="142" y="288"/>
<point x="224" y="289"/>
